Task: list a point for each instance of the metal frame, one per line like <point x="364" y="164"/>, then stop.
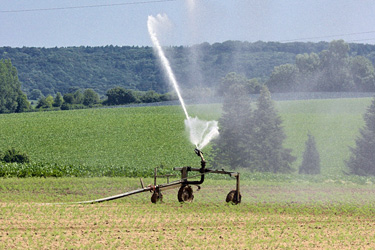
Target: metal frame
<point x="183" y="182"/>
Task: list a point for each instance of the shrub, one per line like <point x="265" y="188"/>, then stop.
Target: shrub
<point x="12" y="155"/>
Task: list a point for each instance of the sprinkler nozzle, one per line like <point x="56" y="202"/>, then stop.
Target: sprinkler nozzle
<point x="198" y="152"/>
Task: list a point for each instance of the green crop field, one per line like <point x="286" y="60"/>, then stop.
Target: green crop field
<point x="287" y="211"/>
<point x="135" y="140"/>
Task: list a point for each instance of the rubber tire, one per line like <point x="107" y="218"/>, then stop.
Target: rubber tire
<point x="232" y="197"/>
<point x="185" y="194"/>
<point x="156" y="197"/>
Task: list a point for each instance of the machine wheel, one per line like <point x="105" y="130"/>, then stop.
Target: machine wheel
<point x="156" y="196"/>
<point x="232" y="197"/>
<point x="185" y="193"/>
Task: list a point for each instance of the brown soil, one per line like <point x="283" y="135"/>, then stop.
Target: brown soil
<point x="164" y="226"/>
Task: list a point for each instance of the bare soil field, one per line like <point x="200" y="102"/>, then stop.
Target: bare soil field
<point x="171" y="226"/>
<point x="271" y="216"/>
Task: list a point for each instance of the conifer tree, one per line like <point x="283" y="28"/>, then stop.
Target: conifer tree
<point x="311" y="159"/>
<point x="251" y="139"/>
<point x="269" y="155"/>
<point x="362" y="159"/>
<point x="232" y="147"/>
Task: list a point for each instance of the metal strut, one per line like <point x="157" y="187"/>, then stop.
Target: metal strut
<point x="185" y="192"/>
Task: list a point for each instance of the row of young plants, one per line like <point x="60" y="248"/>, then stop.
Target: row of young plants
<point x="38" y="169"/>
<point x="148" y="136"/>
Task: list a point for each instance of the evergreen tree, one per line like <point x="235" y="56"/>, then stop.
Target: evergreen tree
<point x="251" y="139"/>
<point x="232" y="147"/>
<point x="269" y="155"/>
<point x="311" y="159"/>
<point x="362" y="160"/>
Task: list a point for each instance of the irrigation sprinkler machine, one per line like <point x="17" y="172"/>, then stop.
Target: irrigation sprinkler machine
<point x="185" y="192"/>
<point x="206" y="130"/>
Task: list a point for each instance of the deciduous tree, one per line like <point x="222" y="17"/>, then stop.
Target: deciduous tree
<point x="118" y="96"/>
<point x="58" y="100"/>
<point x="12" y="99"/>
<point x="90" y="97"/>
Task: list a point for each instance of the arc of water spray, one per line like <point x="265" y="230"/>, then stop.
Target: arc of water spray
<point x="201" y="132"/>
<point x="152" y="21"/>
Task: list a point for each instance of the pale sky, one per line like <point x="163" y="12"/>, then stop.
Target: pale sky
<point x="62" y="23"/>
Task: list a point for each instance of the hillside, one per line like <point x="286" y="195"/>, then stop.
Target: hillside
<point x="55" y="70"/>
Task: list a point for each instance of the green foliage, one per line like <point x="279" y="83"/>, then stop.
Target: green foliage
<point x="118" y="96"/>
<point x="235" y="127"/>
<point x="35" y="94"/>
<point x="45" y="102"/>
<point x="363" y="73"/>
<point x="332" y="70"/>
<point x="311" y="159"/>
<point x="283" y="78"/>
<point x="12" y="155"/>
<point x="135" y="140"/>
<point x="53" y="70"/>
<point x="269" y="154"/>
<point x="250" y="86"/>
<point x="58" y="100"/>
<point x="362" y="159"/>
<point x="12" y="99"/>
<point x="251" y="140"/>
<point x="68" y="98"/>
<point x="22" y="104"/>
<point x="150" y="96"/>
<point x="90" y="97"/>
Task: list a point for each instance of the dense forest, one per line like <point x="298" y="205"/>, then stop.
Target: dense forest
<point x="53" y="70"/>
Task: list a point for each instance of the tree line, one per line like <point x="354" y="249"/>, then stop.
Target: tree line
<point x="331" y="70"/>
<point x="53" y="70"/>
<point x="88" y="98"/>
<point x="13" y="100"/>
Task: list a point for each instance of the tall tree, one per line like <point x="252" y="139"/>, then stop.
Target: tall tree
<point x="362" y="159"/>
<point x="269" y="154"/>
<point x="233" y="145"/>
<point x="251" y="86"/>
<point x="311" y="159"/>
<point x="363" y="74"/>
<point x="334" y="68"/>
<point x="12" y="99"/>
<point x="308" y="71"/>
<point x="283" y="78"/>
